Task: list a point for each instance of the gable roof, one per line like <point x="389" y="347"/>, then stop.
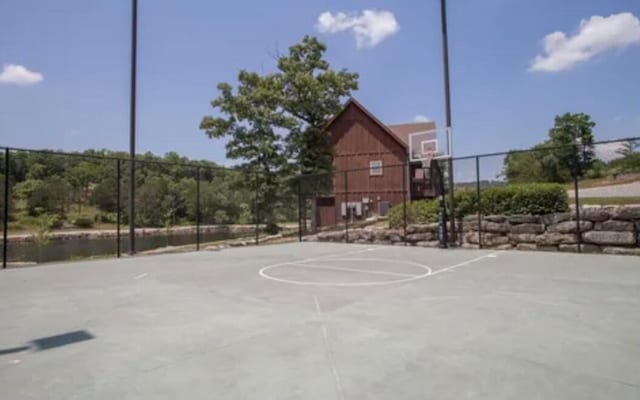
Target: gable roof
<point x="399" y="132"/>
<point x="402" y="131"/>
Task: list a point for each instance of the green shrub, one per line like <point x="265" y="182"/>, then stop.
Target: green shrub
<point x="53" y="221"/>
<point x="82" y="221"/>
<point x="525" y="198"/>
<point x="105" y="218"/>
<point x="418" y="212"/>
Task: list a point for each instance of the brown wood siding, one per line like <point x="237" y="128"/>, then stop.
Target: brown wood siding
<point x="326" y="212"/>
<point x="357" y="140"/>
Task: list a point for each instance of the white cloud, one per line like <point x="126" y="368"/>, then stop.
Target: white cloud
<point x="421" y="118"/>
<point x="594" y="36"/>
<point x="370" y="27"/>
<point x="617" y="118"/>
<point x="13" y="74"/>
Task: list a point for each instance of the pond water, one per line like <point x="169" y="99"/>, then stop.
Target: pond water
<point x="61" y="250"/>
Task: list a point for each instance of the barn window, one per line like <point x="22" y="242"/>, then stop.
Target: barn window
<point x="375" y="168"/>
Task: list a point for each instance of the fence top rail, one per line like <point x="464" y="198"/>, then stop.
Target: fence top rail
<point x="299" y="176"/>
<point x="502" y="153"/>
<point x="473" y="156"/>
<point x="114" y="158"/>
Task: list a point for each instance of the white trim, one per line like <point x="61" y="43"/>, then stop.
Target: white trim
<point x="375" y="168"/>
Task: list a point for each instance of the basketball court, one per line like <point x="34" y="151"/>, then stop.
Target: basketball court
<point x="324" y="321"/>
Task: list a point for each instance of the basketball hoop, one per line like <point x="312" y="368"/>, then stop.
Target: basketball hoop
<point x="423" y="147"/>
<point x="427" y="159"/>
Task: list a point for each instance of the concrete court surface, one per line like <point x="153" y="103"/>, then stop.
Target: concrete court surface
<point x="324" y="321"/>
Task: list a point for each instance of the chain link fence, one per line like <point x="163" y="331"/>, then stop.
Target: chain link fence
<point x="63" y="206"/>
<point x="563" y="198"/>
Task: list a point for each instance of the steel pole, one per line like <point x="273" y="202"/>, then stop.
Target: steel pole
<point x="257" y="208"/>
<point x="118" y="251"/>
<point x="346" y="205"/>
<point x="5" y="216"/>
<point x="197" y="208"/>
<point x="132" y="128"/>
<point x="404" y="202"/>
<point x="479" y="201"/>
<point x="299" y="209"/>
<point x="447" y="100"/>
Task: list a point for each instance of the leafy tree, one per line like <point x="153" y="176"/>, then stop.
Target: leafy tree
<point x="573" y="134"/>
<point x="104" y="195"/>
<point x="568" y="152"/>
<point x="523" y="167"/>
<point x="173" y="203"/>
<point x="150" y="210"/>
<point x="250" y="115"/>
<point x="81" y="176"/>
<point x="50" y="196"/>
<point x="312" y="94"/>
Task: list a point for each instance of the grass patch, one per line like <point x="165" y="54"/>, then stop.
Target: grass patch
<point x="609" y="201"/>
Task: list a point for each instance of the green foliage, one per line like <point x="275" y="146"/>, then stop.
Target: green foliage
<point x="103" y="195"/>
<point x="418" y="212"/>
<point x="251" y="114"/>
<point x="84" y="221"/>
<point x="42" y="234"/>
<point x="312" y="94"/>
<point x="626" y="164"/>
<point x="150" y="202"/>
<point x="105" y="218"/>
<point x="568" y="152"/>
<point x="50" y="196"/>
<point x="531" y="198"/>
<point x="273" y="118"/>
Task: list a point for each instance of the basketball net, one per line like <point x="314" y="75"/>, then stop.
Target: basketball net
<point x="426" y="162"/>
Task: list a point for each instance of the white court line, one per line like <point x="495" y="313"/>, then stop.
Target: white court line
<point x="325" y="336"/>
<point x="334" y="255"/>
<point x="337" y="257"/>
<point x="140" y="276"/>
<point x="263" y="271"/>
<point x="462" y="264"/>
<point x="353" y="270"/>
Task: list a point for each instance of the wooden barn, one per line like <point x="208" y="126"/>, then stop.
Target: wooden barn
<point x="376" y="157"/>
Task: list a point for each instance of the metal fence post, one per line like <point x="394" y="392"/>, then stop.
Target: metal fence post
<point x="5" y="216"/>
<point x="197" y="208"/>
<point x="479" y="201"/>
<point x="346" y="205"/>
<point x="299" y="179"/>
<point x="577" y="203"/>
<point x="132" y="128"/>
<point x="257" y="228"/>
<point x="453" y="235"/>
<point x="118" y="251"/>
<point x="404" y="202"/>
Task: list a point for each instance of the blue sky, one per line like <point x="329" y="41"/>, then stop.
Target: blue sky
<point x="65" y="76"/>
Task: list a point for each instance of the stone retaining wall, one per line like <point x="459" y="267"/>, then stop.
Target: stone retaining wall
<point x="609" y="230"/>
<point x="124" y="231"/>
